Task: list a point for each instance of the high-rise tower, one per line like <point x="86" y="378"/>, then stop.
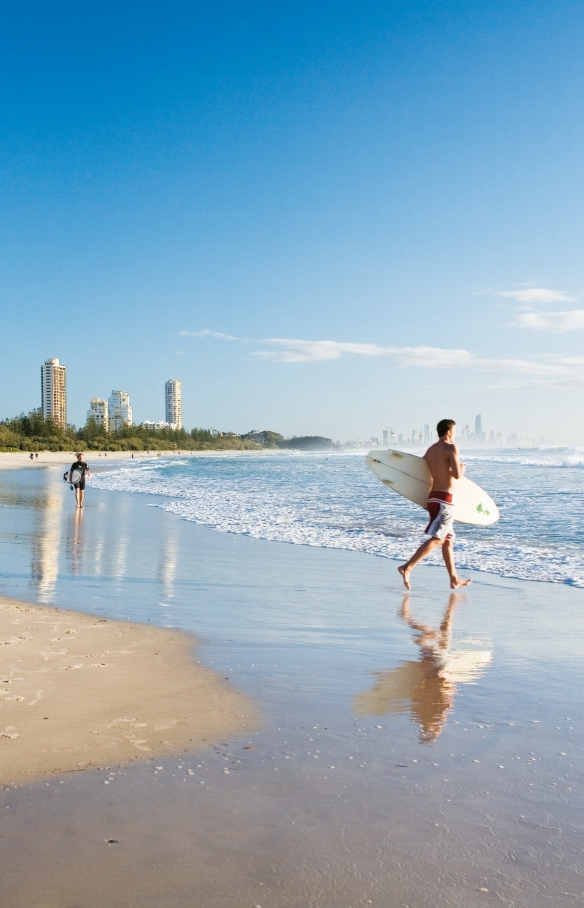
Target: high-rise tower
<point x="98" y="412"/>
<point x="480" y="435"/>
<point x="54" y="391"/>
<point x="119" y="410"/>
<point x="173" y="402"/>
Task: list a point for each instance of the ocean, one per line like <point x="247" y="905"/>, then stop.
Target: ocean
<point x="334" y="501"/>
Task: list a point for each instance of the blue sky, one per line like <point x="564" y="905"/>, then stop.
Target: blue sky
<point x="378" y="205"/>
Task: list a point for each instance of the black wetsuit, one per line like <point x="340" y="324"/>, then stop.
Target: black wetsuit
<point x="80" y="465"/>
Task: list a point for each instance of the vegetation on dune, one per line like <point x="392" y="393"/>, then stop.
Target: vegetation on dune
<point x="309" y="443"/>
<point x="32" y="432"/>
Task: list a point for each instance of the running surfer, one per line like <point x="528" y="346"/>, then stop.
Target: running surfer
<point x="82" y="467"/>
<point x="445" y="469"/>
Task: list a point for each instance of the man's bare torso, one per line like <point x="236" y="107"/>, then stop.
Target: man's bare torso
<point x="445" y="467"/>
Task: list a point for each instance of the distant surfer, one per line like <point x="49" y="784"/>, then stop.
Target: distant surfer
<point x="81" y="467"/>
<point x="445" y="468"/>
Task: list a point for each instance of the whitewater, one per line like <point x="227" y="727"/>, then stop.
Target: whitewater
<point x="334" y="501"/>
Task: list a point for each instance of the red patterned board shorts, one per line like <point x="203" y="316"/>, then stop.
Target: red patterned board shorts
<point x="441" y="509"/>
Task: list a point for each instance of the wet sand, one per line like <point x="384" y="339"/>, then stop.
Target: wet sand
<point x="414" y="751"/>
<point x="78" y="692"/>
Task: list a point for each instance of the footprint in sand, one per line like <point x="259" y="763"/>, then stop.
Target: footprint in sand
<point x="11" y="731"/>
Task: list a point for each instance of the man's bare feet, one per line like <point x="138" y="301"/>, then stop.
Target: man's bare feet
<point x="456" y="582"/>
<point x="405" y="576"/>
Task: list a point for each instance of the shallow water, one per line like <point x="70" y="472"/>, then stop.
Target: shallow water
<point x="335" y="501"/>
<point x="421" y="751"/>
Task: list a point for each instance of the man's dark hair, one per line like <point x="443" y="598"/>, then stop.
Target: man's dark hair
<point x="444" y="426"/>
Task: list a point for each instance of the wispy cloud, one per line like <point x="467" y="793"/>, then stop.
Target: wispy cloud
<point x="206" y="332"/>
<point x="553" y="320"/>
<point x="305" y="351"/>
<point x="556" y="322"/>
<point x="569" y="381"/>
<point x="290" y="350"/>
<point x="542" y="370"/>
<point x="535" y="295"/>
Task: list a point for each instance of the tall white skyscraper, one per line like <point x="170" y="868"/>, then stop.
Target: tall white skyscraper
<point x="119" y="410"/>
<point x="480" y="435"/>
<point x="173" y="402"/>
<point x="54" y="391"/>
<point x="98" y="412"/>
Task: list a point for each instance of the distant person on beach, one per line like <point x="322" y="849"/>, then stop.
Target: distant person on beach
<point x="80" y="486"/>
<point x="445" y="469"/>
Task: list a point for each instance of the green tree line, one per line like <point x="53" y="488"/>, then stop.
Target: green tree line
<point x="32" y="432"/>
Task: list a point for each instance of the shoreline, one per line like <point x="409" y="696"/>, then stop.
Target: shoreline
<point x="72" y="694"/>
<point x="21" y="459"/>
<point x="545" y="571"/>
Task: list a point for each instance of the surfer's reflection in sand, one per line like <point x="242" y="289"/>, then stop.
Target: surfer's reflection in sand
<point x="426" y="687"/>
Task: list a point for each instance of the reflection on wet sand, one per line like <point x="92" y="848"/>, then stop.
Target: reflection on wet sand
<point x="76" y="540"/>
<point x="168" y="565"/>
<point x="71" y="543"/>
<point x="47" y="542"/>
<point x="427" y="686"/>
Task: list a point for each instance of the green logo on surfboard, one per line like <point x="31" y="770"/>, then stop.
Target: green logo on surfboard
<point x="482" y="510"/>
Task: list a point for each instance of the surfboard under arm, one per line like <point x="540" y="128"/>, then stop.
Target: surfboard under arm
<point x="410" y="477"/>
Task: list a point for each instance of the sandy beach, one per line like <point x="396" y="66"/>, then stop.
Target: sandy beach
<point x="419" y="750"/>
<point x="99" y="459"/>
<point x="78" y="692"/>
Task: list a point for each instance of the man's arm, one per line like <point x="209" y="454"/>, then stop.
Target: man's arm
<point x="456" y="467"/>
<point x="425" y="457"/>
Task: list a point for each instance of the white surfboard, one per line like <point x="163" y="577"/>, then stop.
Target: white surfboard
<point x="76" y="476"/>
<point x="410" y="477"/>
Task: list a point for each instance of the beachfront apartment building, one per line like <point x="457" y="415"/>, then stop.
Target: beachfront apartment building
<point x="150" y="424"/>
<point x="54" y="391"/>
<point x="173" y="403"/>
<point x="98" y="412"/>
<point x="119" y="410"/>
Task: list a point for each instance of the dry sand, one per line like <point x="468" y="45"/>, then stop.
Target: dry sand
<point x="14" y="460"/>
<point x="80" y="692"/>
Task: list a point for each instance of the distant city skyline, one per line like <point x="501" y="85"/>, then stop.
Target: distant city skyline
<point x="117" y="412"/>
<point x="464" y="437"/>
